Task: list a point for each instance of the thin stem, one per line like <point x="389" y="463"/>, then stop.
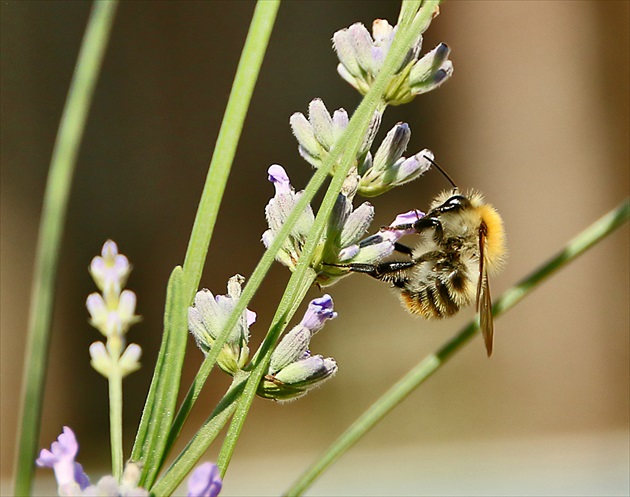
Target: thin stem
<point x="298" y="284"/>
<point x="432" y="363"/>
<point x="279" y="323"/>
<point x="54" y="209"/>
<point x="202" y="439"/>
<point x="240" y="96"/>
<point x="115" y="422"/>
<point x="227" y="141"/>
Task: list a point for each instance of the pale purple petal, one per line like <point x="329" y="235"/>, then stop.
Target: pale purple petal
<point x="347" y="253"/>
<point x="109" y="250"/>
<point x="318" y="312"/>
<point x="205" y="481"/>
<point x="409" y="217"/>
<point x="278" y="176"/>
<point x="60" y="457"/>
<point x="340" y="122"/>
<point x="251" y="317"/>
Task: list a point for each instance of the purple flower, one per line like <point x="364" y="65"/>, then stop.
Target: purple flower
<point x="71" y="479"/>
<point x="68" y="473"/>
<point x="319" y="311"/>
<point x="205" y="481"/>
<point x="277" y="212"/>
<point x="278" y="176"/>
<point x="292" y="369"/>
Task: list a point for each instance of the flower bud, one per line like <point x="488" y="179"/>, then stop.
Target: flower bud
<point x="101" y="361"/>
<point x="207" y="318"/>
<point x="297" y="378"/>
<point x="361" y="58"/>
<point x="292" y="370"/>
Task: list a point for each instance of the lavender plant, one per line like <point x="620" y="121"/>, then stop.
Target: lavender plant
<point x="386" y="67"/>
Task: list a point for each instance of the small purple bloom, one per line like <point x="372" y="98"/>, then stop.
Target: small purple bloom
<point x="278" y="176"/>
<point x="278" y="210"/>
<point x="405" y="220"/>
<point x="60" y="458"/>
<point x="205" y="481"/>
<point x="319" y="311"/>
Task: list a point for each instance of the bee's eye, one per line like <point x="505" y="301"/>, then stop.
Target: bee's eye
<point x="456" y="202"/>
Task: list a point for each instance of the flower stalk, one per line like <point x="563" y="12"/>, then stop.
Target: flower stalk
<point x="303" y="276"/>
<point x="220" y="166"/>
<point x="112" y="312"/>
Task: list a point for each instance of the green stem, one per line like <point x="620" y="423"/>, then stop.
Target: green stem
<point x="279" y="322"/>
<point x="227" y="141"/>
<point x="298" y="284"/>
<point x="115" y="423"/>
<point x="240" y="96"/>
<point x="429" y="365"/>
<point x="202" y="439"/>
<point x="54" y="209"/>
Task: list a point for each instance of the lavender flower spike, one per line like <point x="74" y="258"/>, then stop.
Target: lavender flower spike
<point x="277" y="211"/>
<point x="205" y="481"/>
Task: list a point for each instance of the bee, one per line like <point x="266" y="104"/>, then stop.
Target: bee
<point x="462" y="240"/>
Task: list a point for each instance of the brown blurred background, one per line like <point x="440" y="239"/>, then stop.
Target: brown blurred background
<point x="536" y="116"/>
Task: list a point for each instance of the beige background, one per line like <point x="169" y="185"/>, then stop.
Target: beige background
<point x="536" y="116"/>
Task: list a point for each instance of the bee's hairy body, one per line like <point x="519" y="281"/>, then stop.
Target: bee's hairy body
<point x="446" y="273"/>
<point x="461" y="240"/>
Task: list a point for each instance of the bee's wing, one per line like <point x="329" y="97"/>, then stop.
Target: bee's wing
<point x="484" y="302"/>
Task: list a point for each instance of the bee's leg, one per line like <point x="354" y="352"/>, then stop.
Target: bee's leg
<point x="378" y="238"/>
<point x="392" y="272"/>
<point x="403" y="249"/>
<point x="419" y="226"/>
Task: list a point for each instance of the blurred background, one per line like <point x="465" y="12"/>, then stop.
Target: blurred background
<point x="536" y="116"/>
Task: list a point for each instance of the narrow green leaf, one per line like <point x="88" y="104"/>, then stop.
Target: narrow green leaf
<point x="242" y="89"/>
<point x="202" y="439"/>
<point x="160" y="405"/>
<point x="227" y="141"/>
<point x="54" y="210"/>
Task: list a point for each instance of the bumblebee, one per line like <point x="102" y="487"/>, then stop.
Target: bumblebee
<point x="462" y="240"/>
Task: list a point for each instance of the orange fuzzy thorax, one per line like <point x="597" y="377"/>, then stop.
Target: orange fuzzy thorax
<point x="495" y="237"/>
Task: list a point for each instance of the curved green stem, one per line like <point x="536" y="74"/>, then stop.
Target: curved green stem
<point x="54" y="209"/>
<point x="227" y="141"/>
<point x="430" y="364"/>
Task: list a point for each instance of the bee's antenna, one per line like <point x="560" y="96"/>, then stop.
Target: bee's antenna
<point x="450" y="180"/>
